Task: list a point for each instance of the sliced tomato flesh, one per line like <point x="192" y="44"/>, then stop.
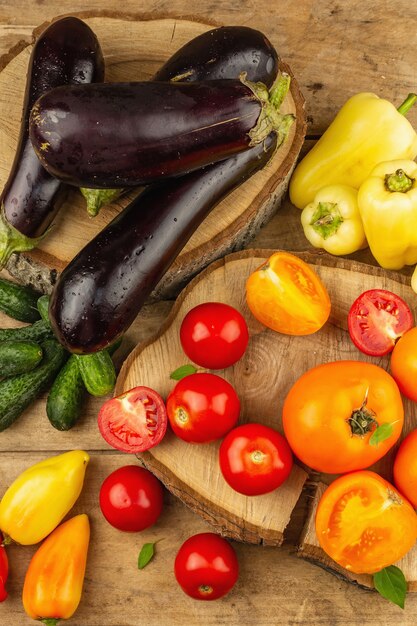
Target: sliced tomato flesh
<point x="134" y="421"/>
<point x="377" y="319"/>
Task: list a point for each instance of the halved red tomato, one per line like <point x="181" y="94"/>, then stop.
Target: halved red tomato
<point x="134" y="421"/>
<point x="377" y="319"/>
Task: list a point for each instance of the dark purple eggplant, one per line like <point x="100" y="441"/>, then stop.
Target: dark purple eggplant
<point x="223" y="52"/>
<point x="67" y="52"/>
<point x="127" y="134"/>
<point x="101" y="291"/>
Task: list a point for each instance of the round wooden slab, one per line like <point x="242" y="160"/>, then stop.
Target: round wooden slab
<point x="262" y="378"/>
<point x="134" y="50"/>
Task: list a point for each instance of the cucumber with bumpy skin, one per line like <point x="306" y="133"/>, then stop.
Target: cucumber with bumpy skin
<point x="67" y="394"/>
<point x="17" y="393"/>
<point x="97" y="371"/>
<point x="42" y="305"/>
<point x="18" y="357"/>
<point x="18" y="301"/>
<point x="39" y="331"/>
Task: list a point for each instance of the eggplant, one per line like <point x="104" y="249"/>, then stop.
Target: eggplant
<point x="67" y="52"/>
<point x="89" y="306"/>
<point x="223" y="52"/>
<point x="101" y="291"/>
<point x="218" y="53"/>
<point x="128" y="134"/>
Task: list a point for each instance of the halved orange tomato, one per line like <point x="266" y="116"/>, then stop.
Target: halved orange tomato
<point x="286" y="295"/>
<point x="364" y="524"/>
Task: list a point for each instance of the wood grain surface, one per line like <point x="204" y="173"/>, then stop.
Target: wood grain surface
<point x="335" y="49"/>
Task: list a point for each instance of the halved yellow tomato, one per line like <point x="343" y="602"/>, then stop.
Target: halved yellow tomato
<point x="286" y="295"/>
<point x="364" y="524"/>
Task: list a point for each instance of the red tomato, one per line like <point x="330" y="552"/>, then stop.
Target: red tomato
<point x="4" y="571"/>
<point x="405" y="468"/>
<point x="134" y="421"/>
<point x="131" y="498"/>
<point x="214" y="335"/>
<point x="255" y="459"/>
<point x="206" y="567"/>
<point x="377" y="319"/>
<point x="202" y="408"/>
<point x="404" y="364"/>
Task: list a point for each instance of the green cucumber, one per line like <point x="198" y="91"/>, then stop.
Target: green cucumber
<point x="18" y="301"/>
<point x="38" y="331"/>
<point x="19" y="357"/>
<point x="97" y="371"/>
<point x="17" y="393"/>
<point x="42" y="305"/>
<point x="67" y="394"/>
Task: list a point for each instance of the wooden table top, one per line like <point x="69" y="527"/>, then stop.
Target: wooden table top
<point x="335" y="49"/>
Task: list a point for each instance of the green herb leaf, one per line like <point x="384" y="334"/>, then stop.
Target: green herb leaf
<point x="381" y="433"/>
<point x="183" y="371"/>
<point x="146" y="554"/>
<point x="391" y="584"/>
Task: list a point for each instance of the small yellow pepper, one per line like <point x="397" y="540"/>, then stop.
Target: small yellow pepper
<point x="54" y="580"/>
<point x="366" y="131"/>
<point x="332" y="221"/>
<point x="41" y="496"/>
<point x="388" y="207"/>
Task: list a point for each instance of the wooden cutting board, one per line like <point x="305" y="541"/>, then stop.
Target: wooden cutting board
<point x="262" y="378"/>
<point x="134" y="50"/>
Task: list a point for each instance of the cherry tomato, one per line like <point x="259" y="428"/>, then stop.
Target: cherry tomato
<point x="331" y="412"/>
<point x="404" y="364"/>
<point x="286" y="295"/>
<point x="131" y="498"/>
<point x="206" y="567"/>
<point x="255" y="459"/>
<point x="202" y="408"/>
<point x="4" y="571"/>
<point x="364" y="524"/>
<point x="405" y="468"/>
<point x="214" y="335"/>
<point x="377" y="319"/>
<point x="134" y="421"/>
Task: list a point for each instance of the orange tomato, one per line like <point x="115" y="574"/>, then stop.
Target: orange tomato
<point x="404" y="364"/>
<point x="286" y="295"/>
<point x="332" y="410"/>
<point x="364" y="524"/>
<point x="405" y="468"/>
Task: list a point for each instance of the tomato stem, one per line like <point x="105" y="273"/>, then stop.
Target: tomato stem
<point x="362" y="420"/>
<point x="205" y="589"/>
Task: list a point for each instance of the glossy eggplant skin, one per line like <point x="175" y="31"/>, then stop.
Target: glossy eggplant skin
<point x="128" y="134"/>
<point x="223" y="52"/>
<point x="67" y="52"/>
<point x="101" y="291"/>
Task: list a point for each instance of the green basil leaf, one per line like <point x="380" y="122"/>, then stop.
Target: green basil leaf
<point x="381" y="433"/>
<point x="146" y="554"/>
<point x="183" y="371"/>
<point x="391" y="584"/>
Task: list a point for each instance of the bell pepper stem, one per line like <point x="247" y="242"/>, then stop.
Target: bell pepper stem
<point x="50" y="621"/>
<point x="407" y="104"/>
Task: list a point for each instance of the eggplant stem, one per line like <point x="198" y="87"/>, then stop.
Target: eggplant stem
<point x="11" y="240"/>
<point x="279" y="90"/>
<point x="96" y="198"/>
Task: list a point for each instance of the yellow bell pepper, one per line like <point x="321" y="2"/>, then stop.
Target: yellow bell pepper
<point x="388" y="206"/>
<point x="41" y="496"/>
<point x="54" y="580"/>
<point x="332" y="221"/>
<point x="366" y="131"/>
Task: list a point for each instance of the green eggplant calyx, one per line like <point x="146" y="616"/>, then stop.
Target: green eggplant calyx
<point x="326" y="219"/>
<point x="11" y="240"/>
<point x="399" y="181"/>
<point x="407" y="104"/>
<point x="96" y="198"/>
<point x="270" y="119"/>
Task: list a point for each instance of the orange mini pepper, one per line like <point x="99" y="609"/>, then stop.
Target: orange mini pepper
<point x="54" y="580"/>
